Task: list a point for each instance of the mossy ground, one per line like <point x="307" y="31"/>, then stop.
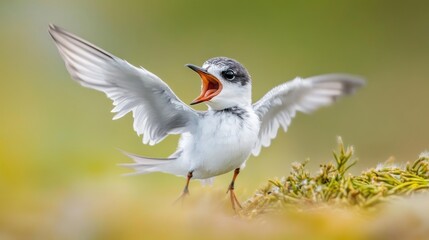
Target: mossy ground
<point x="333" y="185"/>
<point x="384" y="202"/>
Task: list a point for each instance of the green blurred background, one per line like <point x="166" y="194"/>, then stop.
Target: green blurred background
<point x="58" y="145"/>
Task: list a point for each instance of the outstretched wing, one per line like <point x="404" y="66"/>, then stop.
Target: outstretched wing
<point x="279" y="106"/>
<point x="156" y="109"/>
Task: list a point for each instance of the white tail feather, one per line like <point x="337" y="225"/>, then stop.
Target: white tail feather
<point x="144" y="165"/>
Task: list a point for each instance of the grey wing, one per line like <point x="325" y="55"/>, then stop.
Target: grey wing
<point x="156" y="109"/>
<point x="279" y="106"/>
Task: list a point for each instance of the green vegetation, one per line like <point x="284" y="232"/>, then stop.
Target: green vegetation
<point x="334" y="186"/>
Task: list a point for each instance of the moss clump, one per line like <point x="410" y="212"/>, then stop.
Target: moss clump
<point x="333" y="186"/>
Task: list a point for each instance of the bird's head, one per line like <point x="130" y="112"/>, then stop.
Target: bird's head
<point x="225" y="83"/>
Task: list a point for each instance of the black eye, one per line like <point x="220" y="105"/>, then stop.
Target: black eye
<point x="228" y="74"/>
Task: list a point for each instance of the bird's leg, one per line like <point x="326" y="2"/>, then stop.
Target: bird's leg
<point x="234" y="199"/>
<point x="186" y="189"/>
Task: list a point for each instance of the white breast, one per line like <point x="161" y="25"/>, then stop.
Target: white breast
<point x="222" y="142"/>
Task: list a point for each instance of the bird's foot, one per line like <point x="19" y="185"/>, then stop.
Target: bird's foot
<point x="234" y="200"/>
<point x="185" y="190"/>
<point x="182" y="197"/>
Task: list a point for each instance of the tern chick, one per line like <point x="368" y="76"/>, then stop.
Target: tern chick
<point x="212" y="142"/>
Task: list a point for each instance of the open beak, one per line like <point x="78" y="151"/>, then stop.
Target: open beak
<point x="210" y="88"/>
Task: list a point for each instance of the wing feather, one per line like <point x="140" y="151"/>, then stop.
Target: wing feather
<point x="279" y="106"/>
<point x="157" y="111"/>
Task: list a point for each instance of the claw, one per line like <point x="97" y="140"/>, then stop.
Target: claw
<point x="182" y="197"/>
<point x="234" y="200"/>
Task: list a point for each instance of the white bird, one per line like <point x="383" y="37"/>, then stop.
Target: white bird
<point x="212" y="142"/>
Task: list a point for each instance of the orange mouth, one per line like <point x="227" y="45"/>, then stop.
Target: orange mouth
<point x="211" y="86"/>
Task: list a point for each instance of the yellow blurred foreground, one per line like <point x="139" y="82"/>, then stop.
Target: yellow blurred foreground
<point x="93" y="212"/>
